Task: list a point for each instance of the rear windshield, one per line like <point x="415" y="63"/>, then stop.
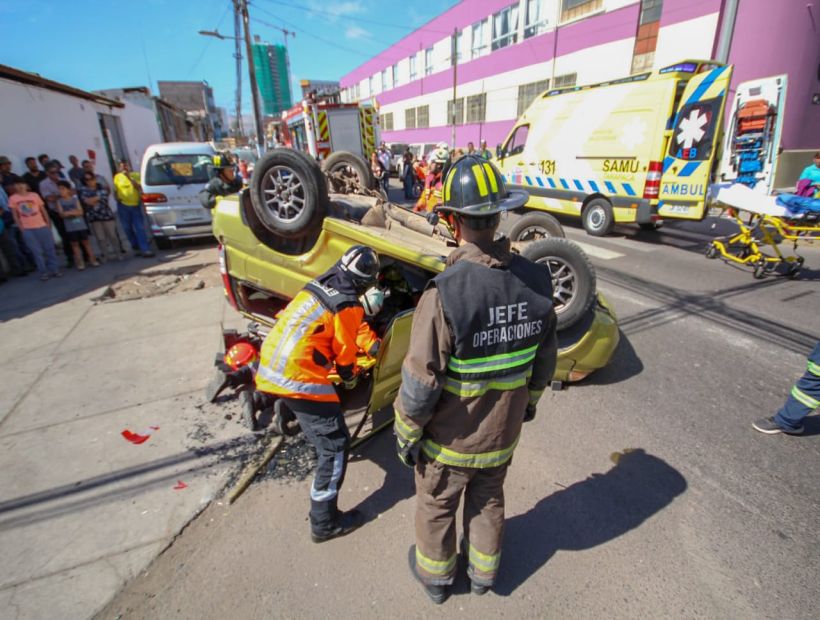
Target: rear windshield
<point x="178" y="170"/>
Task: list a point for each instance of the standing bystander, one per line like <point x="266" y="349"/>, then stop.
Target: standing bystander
<point x="31" y="217"/>
<point x="75" y="173"/>
<point x="100" y="216"/>
<point x="76" y="230"/>
<point x="129" y="208"/>
<point x="34" y="175"/>
<point x="6" y="175"/>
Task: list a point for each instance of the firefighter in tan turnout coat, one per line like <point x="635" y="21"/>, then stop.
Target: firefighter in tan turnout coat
<point x="482" y="350"/>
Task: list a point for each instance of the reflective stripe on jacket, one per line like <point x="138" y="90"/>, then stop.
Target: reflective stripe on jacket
<point x="315" y="330"/>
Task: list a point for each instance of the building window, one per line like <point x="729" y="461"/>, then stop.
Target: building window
<point x="528" y="92"/>
<point x="480" y="39"/>
<point x="370" y="86"/>
<point x="536" y="20"/>
<point x="476" y="108"/>
<point x="410" y="118"/>
<point x="413" y="67"/>
<point x="395" y="73"/>
<point x="575" y="9"/>
<point x="423" y="116"/>
<point x="505" y="27"/>
<point x="565" y="81"/>
<point x="643" y="57"/>
<point x="384" y="80"/>
<point x="386" y="121"/>
<point x="459" y="119"/>
<point x="428" y="61"/>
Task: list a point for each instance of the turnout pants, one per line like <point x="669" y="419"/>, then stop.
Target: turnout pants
<point x="324" y="426"/>
<point x="438" y="494"/>
<point x="804" y="397"/>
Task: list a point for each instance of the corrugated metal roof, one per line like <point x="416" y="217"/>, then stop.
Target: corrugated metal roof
<point x="33" y="79"/>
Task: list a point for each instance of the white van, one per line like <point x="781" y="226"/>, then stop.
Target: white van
<point x="172" y="174"/>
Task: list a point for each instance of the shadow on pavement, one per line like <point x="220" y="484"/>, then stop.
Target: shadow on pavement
<point x="398" y="481"/>
<point x="624" y="365"/>
<point x="678" y="303"/>
<point x="20" y="297"/>
<point x="587" y="514"/>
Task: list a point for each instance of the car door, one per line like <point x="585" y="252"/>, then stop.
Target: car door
<point x="693" y="145"/>
<point x="387" y="371"/>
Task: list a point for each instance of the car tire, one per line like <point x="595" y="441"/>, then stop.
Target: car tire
<point x="289" y="193"/>
<point x="345" y="161"/>
<point x="573" y="277"/>
<point x="535" y="226"/>
<point x="597" y="217"/>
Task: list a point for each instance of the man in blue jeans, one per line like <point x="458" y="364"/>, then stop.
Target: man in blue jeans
<point x="804" y="398"/>
<point x="129" y="208"/>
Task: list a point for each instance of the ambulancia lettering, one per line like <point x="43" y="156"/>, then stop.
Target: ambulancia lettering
<point x="682" y="189"/>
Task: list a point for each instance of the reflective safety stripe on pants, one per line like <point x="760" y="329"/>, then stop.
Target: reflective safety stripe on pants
<point x="439" y="490"/>
<point x="324" y="426"/>
<point x="804" y="396"/>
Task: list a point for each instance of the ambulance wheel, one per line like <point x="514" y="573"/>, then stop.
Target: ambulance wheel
<point x="289" y="193"/>
<point x="573" y="277"/>
<point x="534" y="226"/>
<point x="711" y="251"/>
<point x="597" y="217"/>
<point x="350" y="164"/>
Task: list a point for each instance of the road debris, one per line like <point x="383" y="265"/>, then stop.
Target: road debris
<point x="161" y="282"/>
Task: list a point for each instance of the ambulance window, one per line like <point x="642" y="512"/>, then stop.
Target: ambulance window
<point x="518" y="140"/>
<point x="694" y="131"/>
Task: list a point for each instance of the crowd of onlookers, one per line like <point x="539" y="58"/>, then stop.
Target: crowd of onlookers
<point x="77" y="203"/>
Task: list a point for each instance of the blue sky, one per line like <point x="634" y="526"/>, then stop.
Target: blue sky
<point x="95" y="44"/>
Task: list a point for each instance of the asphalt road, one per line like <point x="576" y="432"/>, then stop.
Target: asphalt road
<point x="640" y="492"/>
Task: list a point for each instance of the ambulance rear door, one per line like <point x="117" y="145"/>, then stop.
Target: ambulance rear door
<point x="693" y="145"/>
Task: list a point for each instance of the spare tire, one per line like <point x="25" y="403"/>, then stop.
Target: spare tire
<point x="351" y="165"/>
<point x="535" y="225"/>
<point x="573" y="277"/>
<point x="289" y="193"/>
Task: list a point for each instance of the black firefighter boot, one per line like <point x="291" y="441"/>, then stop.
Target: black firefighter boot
<point x="326" y="522"/>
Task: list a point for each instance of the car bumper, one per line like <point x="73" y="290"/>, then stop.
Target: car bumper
<point x="593" y="349"/>
<point x="177" y="222"/>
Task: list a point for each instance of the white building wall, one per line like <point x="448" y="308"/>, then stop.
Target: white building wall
<point x="689" y="39"/>
<point x="140" y="129"/>
<point x="36" y="120"/>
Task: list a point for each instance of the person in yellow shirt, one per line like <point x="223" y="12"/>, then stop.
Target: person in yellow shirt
<point x="127" y="189"/>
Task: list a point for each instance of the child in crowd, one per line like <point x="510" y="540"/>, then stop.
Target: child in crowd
<point x="31" y="218"/>
<point x="76" y="229"/>
<point x="100" y="216"/>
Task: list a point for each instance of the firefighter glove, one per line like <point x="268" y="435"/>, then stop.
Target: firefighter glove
<point x="408" y="453"/>
<point x="351" y="383"/>
<point x="432" y="218"/>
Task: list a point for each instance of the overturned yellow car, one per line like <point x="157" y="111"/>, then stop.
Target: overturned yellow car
<point x="288" y="229"/>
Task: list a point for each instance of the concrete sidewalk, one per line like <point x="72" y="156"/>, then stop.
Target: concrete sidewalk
<point x="82" y="510"/>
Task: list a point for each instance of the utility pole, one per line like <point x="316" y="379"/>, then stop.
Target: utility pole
<point x="237" y="33"/>
<point x="257" y="114"/>
<point x="454" y="56"/>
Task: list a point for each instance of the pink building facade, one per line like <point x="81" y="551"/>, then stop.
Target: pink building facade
<point x="508" y="51"/>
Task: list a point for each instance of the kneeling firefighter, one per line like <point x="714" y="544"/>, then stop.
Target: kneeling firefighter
<point x="482" y="350"/>
<point x="316" y="329"/>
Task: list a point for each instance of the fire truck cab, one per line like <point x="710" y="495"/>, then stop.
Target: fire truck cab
<point x="320" y="128"/>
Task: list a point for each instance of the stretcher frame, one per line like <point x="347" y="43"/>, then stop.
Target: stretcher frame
<point x="745" y="247"/>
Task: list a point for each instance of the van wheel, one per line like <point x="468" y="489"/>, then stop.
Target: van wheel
<point x="534" y="226"/>
<point x="597" y="217"/>
<point x="573" y="277"/>
<point x="350" y="165"/>
<point x="289" y="193"/>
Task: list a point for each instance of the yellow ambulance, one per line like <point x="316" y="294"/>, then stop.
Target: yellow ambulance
<point x="633" y="150"/>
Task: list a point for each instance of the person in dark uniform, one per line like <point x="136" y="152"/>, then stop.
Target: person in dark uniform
<point x="225" y="182"/>
<point x="482" y="349"/>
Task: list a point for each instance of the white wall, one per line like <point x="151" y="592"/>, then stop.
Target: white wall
<point x="690" y="39"/>
<point x="140" y="129"/>
<point x="36" y="120"/>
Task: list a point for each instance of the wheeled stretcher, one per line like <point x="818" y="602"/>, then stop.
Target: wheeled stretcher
<point x="769" y="223"/>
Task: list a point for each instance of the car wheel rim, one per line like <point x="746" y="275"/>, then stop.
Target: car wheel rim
<point x="596" y="218"/>
<point x="533" y="233"/>
<point x="346" y="170"/>
<point x="284" y="193"/>
<point x="563" y="281"/>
